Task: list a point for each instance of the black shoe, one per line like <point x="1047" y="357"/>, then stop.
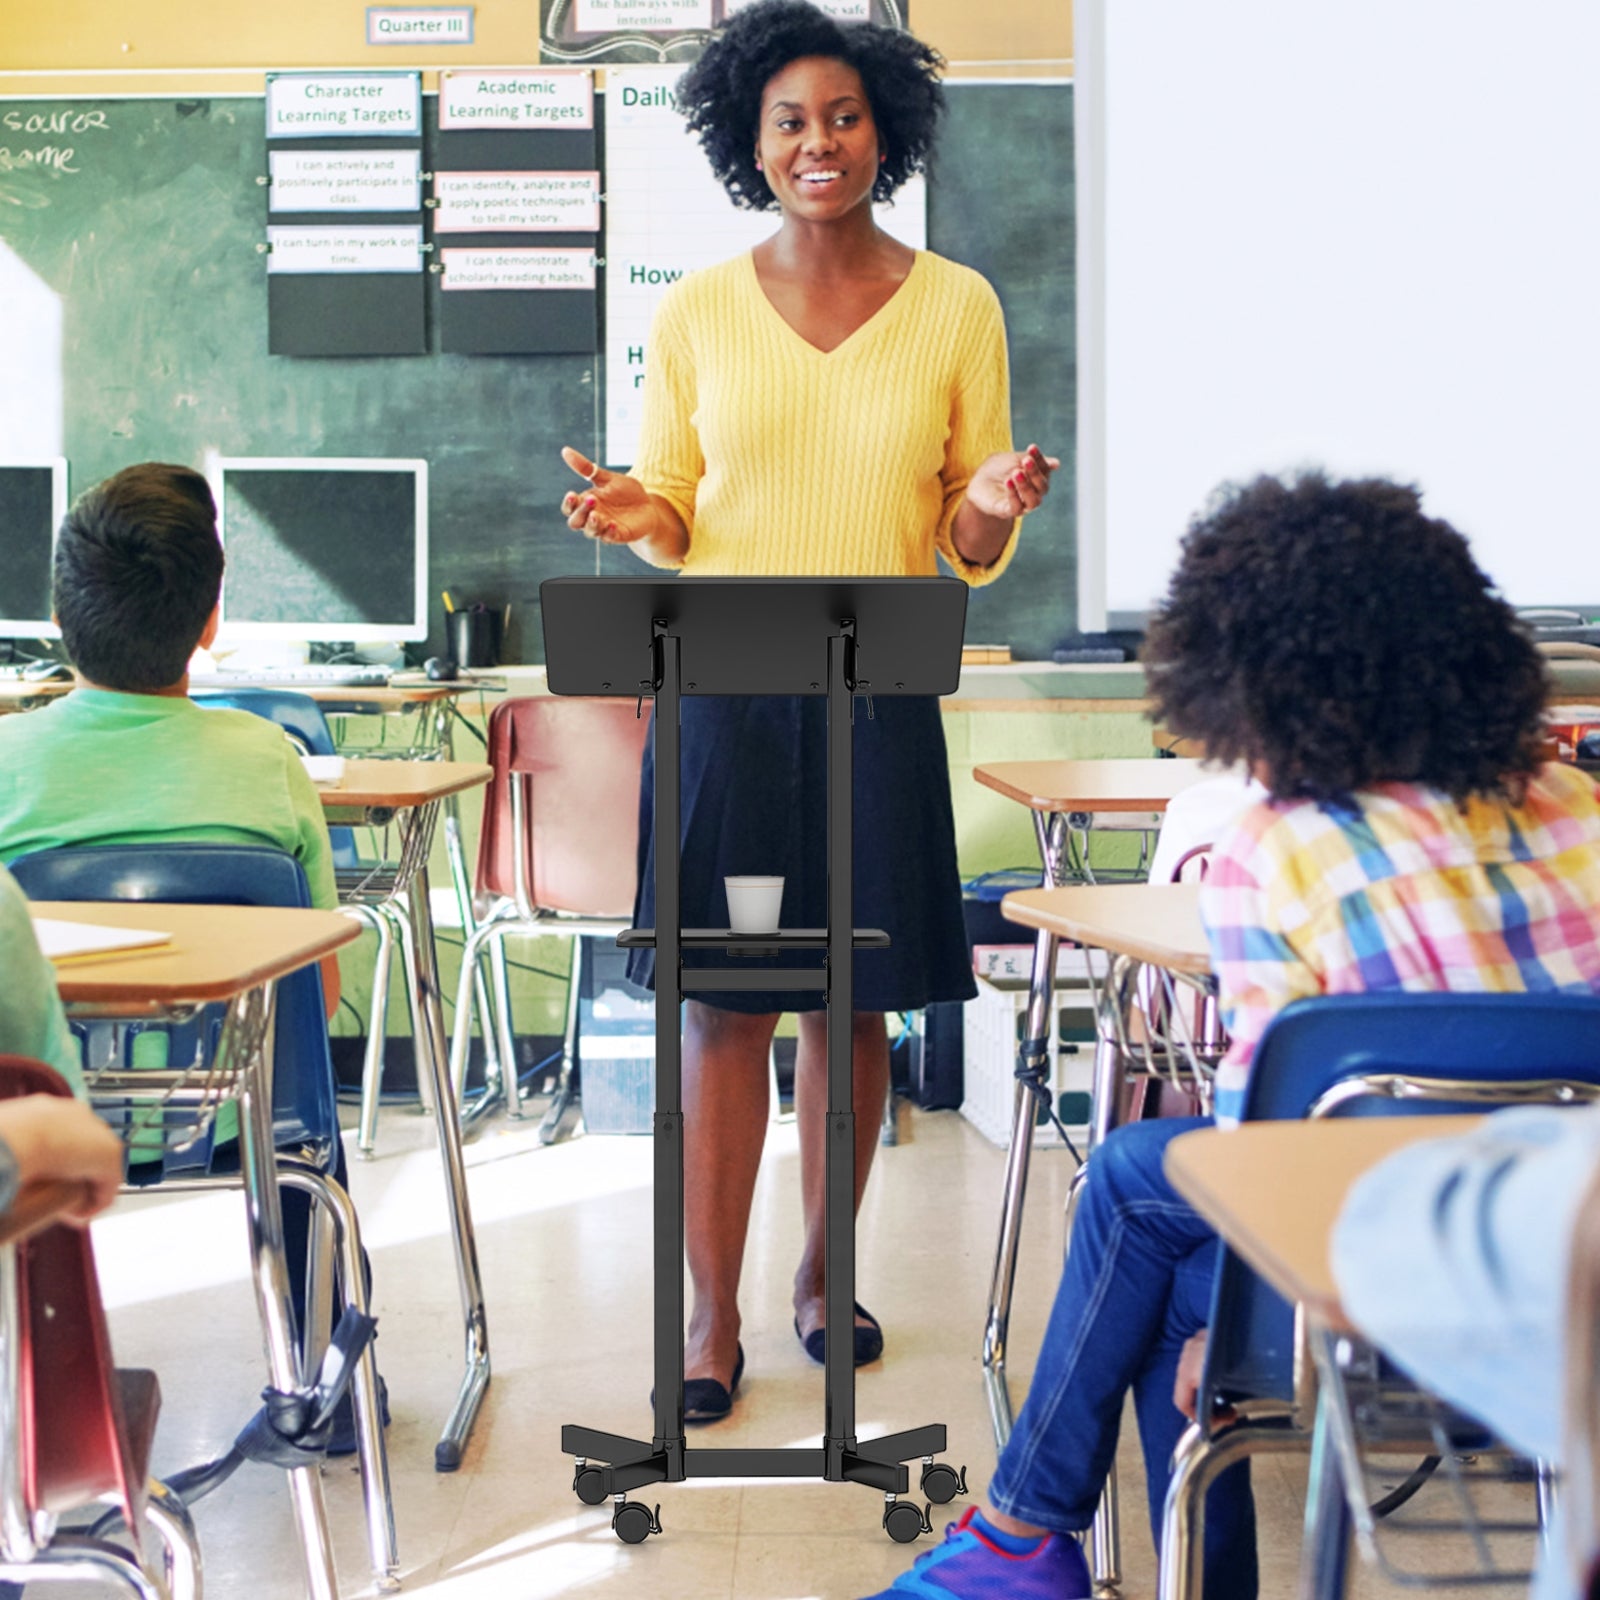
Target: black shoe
<point x="342" y="1441"/>
<point x="867" y="1342"/>
<point x="705" y="1400"/>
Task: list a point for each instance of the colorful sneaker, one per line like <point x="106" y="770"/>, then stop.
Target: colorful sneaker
<point x="970" y="1566"/>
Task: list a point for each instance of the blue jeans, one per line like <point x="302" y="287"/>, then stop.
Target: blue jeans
<point x="1137" y="1284"/>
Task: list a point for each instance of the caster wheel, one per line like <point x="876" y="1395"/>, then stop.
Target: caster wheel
<point x="589" y="1484"/>
<point x="941" y="1484"/>
<point x="635" y="1522"/>
<point x="903" y="1522"/>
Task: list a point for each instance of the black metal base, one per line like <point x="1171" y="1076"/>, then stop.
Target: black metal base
<point x="632" y="1463"/>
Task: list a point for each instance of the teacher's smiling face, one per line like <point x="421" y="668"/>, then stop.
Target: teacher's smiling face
<point x="817" y="142"/>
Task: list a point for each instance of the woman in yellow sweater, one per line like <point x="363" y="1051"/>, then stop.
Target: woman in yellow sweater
<point x="833" y="402"/>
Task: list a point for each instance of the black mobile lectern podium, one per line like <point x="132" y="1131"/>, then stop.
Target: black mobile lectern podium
<point x="665" y="638"/>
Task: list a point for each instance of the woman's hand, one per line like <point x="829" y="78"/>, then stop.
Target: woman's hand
<point x="613" y="507"/>
<point x="55" y="1140"/>
<point x="1012" y="483"/>
<point x="1006" y="486"/>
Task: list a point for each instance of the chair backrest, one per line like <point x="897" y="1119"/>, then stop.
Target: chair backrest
<point x="305" y="1108"/>
<point x="1387" y="1054"/>
<point x="297" y="714"/>
<point x="72" y="1443"/>
<point x="577" y="763"/>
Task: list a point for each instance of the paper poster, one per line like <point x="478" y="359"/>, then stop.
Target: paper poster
<point x="339" y="180"/>
<point x="640" y="16"/>
<point x="665" y="216"/>
<point x="516" y="202"/>
<point x="844" y="10"/>
<point x="559" y="97"/>
<point x="306" y="105"/>
<point x="513" y="268"/>
<point x="344" y="250"/>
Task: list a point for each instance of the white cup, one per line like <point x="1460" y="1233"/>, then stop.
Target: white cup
<point x="754" y="904"/>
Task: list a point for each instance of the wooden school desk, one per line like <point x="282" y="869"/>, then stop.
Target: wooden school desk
<point x="1064" y="797"/>
<point x="408" y="794"/>
<point x="231" y="954"/>
<point x="1235" y="1180"/>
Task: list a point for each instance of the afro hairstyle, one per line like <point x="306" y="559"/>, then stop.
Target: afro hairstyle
<point x="1335" y="637"/>
<point x="720" y="95"/>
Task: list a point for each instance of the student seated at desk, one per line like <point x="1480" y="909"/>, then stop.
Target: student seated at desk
<point x="1346" y="648"/>
<point x="127" y="757"/>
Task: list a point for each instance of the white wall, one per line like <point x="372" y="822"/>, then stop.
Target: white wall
<point x="1361" y="234"/>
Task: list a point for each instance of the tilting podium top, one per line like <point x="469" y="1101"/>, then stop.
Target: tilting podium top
<point x="753" y="635"/>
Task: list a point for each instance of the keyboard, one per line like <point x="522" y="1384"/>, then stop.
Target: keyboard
<point x="313" y="675"/>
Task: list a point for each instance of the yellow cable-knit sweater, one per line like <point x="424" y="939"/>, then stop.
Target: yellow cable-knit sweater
<point x="784" y="460"/>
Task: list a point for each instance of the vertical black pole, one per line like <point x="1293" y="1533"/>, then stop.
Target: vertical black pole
<point x="839" y="1290"/>
<point x="669" y="1066"/>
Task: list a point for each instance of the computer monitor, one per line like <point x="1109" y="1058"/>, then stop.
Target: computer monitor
<point x="33" y="500"/>
<point x="323" y="549"/>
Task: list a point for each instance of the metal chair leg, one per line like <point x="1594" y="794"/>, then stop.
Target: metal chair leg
<point x="1105" y="1541"/>
<point x="321" y="1248"/>
<point x="409" y="965"/>
<point x="500" y="991"/>
<point x="262" y="1174"/>
<point x="496" y="1065"/>
<point x="488" y="935"/>
<point x="180" y="1546"/>
<point x="1196" y="1463"/>
<point x="550" y="1127"/>
<point x="69" y="1559"/>
<point x="333" y="1203"/>
<point x="377" y="1033"/>
<point x="1325" y="1549"/>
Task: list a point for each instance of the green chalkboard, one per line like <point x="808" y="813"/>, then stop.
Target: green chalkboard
<point x="147" y="232"/>
<point x="1001" y="200"/>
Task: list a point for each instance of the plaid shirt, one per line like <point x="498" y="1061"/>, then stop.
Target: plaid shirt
<point x="1399" y="887"/>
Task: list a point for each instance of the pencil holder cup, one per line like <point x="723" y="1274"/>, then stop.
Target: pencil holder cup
<point x="754" y="904"/>
<point x="475" y="636"/>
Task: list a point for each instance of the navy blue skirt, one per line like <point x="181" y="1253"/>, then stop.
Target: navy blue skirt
<point x="754" y="793"/>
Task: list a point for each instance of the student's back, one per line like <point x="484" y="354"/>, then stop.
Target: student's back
<point x="128" y="758"/>
<point x="100" y="767"/>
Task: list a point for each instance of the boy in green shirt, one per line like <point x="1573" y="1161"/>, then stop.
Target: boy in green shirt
<point x="127" y="757"/>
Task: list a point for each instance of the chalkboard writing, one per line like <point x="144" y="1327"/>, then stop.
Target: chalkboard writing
<point x="147" y="230"/>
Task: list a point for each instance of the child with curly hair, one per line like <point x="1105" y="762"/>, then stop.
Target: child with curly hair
<point x="1346" y="648"/>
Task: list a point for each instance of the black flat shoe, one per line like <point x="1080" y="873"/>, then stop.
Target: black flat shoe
<point x="705" y="1400"/>
<point x="867" y="1342"/>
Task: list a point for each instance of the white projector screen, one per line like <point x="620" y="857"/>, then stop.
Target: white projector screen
<point x="1361" y="234"/>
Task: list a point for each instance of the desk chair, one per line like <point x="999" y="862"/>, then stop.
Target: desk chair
<point x="304" y="722"/>
<point x="1352" y="1055"/>
<point x="73" y="1430"/>
<point x="304" y="1106"/>
<point x="558" y="854"/>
